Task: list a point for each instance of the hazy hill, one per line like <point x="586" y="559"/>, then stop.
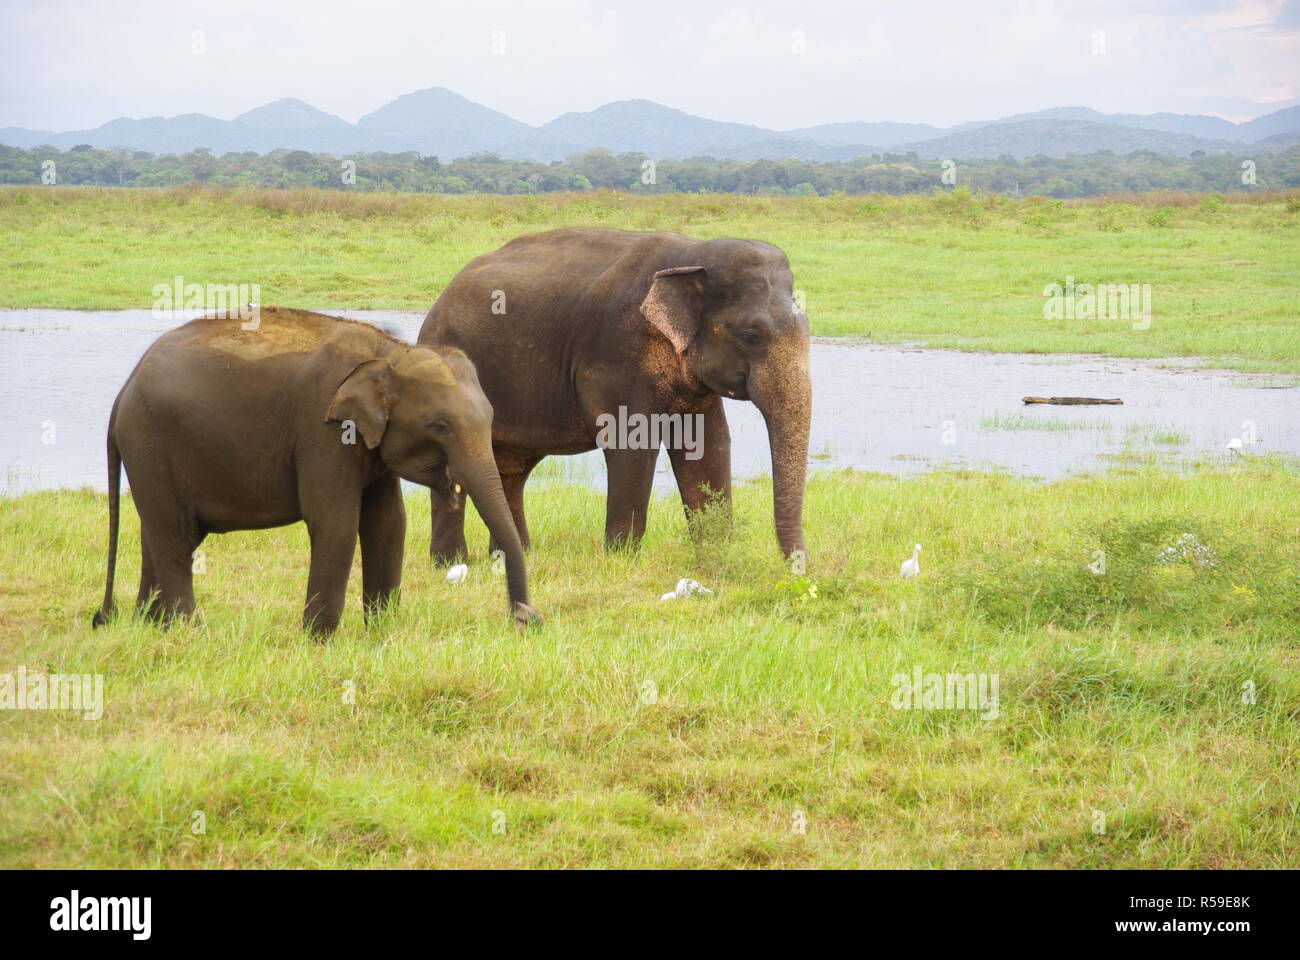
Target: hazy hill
<point x="1193" y="125"/>
<point x="292" y="123"/>
<point x="439" y="122"/>
<point x="442" y="123"/>
<point x="886" y="136"/>
<point x="1059" y="138"/>
<point x="638" y="125"/>
<point x="1275" y="124"/>
<point x="284" y="123"/>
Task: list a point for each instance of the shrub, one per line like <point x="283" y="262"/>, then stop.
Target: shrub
<point x="1170" y="572"/>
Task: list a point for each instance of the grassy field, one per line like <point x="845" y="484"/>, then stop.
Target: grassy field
<point x="947" y="271"/>
<point x="1142" y="626"/>
<point x="1147" y="715"/>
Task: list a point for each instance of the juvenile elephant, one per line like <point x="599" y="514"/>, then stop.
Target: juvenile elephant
<point x="304" y="417"/>
<point x="576" y="330"/>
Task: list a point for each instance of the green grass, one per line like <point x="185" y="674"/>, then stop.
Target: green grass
<point x="946" y="271"/>
<point x="1166" y="435"/>
<point x="1019" y="421"/>
<point x="1142" y="432"/>
<point x="1120" y="692"/>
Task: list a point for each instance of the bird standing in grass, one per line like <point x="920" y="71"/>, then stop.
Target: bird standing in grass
<point x="687" y="587"/>
<point x="457" y="574"/>
<point x="1234" y="446"/>
<point x="912" y="566"/>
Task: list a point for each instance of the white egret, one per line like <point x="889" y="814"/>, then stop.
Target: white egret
<point x="1234" y="446"/>
<point x="687" y="587"/>
<point x="457" y="574"/>
<point x="912" y="566"/>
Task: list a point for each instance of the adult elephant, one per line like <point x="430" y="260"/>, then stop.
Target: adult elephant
<point x="572" y="327"/>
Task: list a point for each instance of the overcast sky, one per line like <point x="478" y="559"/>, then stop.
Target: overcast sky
<point x="73" y="64"/>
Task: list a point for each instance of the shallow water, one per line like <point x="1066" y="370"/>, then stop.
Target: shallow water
<point x="890" y="409"/>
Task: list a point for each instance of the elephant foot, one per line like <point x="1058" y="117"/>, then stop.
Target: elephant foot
<point x="525" y="616"/>
<point x="620" y="542"/>
<point x="319" y="624"/>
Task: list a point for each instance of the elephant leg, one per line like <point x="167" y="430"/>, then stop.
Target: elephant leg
<point x="447" y="539"/>
<point x="704" y="472"/>
<point x="175" y="571"/>
<point x="172" y="558"/>
<point x="169" y="535"/>
<point x="147" y="597"/>
<point x="514" y="474"/>
<point x="631" y="474"/>
<point x="333" y="529"/>
<point x="383" y="537"/>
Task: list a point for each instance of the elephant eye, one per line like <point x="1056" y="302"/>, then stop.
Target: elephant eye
<point x="750" y="336"/>
<point x="440" y="426"/>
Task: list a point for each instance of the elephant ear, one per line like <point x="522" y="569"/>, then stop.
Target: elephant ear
<point x="673" y="305"/>
<point x="366" y="398"/>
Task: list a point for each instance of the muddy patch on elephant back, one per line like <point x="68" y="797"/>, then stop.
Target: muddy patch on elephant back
<point x="278" y="331"/>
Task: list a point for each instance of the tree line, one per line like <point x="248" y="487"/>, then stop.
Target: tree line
<point x="1074" y="176"/>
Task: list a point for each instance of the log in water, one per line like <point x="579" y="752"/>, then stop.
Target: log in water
<point x="1071" y="401"/>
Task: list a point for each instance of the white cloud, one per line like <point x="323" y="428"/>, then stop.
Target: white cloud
<point x="67" y="65"/>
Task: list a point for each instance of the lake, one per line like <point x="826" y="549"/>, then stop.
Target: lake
<point x="883" y="408"/>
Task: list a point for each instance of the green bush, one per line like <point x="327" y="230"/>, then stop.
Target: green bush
<point x="1171" y="572"/>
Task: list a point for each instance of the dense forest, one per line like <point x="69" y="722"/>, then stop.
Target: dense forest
<point x="1074" y="176"/>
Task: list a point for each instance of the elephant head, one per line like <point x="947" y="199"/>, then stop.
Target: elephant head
<point x="730" y="315"/>
<point x="427" y="417"/>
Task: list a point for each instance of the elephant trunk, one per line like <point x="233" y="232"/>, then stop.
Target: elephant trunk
<point x="782" y="391"/>
<point x="483" y="484"/>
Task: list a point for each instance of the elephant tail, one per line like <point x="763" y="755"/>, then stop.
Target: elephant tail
<point x="114" y="497"/>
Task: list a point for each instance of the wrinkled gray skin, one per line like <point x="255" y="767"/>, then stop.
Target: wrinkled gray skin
<point x="307" y="417"/>
<point x="570" y="324"/>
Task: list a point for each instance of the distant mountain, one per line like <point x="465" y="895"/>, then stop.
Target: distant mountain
<point x="284" y="123"/>
<point x="639" y="125"/>
<point x="442" y="123"/>
<point x="657" y="131"/>
<point x="1058" y="138"/>
<point x="168" y="134"/>
<point x="155" y="134"/>
<point x="1278" y="123"/>
<point x="25" y="139"/>
<point x="1210" y="128"/>
<point x="883" y="135"/>
<point x="1191" y="125"/>
<point x="292" y="123"/>
<point x="1281" y="141"/>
